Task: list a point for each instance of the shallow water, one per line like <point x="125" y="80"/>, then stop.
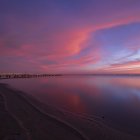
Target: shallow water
<point x="115" y="99"/>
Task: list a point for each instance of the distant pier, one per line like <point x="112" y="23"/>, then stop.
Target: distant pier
<point x="11" y="76"/>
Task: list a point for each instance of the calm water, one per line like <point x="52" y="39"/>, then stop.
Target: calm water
<point x="115" y="98"/>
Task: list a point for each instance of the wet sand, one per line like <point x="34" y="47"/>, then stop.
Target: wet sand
<point x="24" y="118"/>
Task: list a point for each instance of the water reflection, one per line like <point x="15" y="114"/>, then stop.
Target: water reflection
<point x="132" y="82"/>
<point x="115" y="98"/>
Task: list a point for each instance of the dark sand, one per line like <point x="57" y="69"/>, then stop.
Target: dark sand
<point x="24" y="118"/>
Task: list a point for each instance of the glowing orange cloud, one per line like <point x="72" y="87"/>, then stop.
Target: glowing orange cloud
<point x="128" y="67"/>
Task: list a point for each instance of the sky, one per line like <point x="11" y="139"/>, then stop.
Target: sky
<point x="70" y="36"/>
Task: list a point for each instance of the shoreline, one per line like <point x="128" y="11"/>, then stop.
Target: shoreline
<point x="65" y="124"/>
<point x="50" y="117"/>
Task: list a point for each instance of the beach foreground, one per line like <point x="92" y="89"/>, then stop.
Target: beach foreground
<point x="24" y="118"/>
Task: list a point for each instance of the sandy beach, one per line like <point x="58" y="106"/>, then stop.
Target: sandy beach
<point x="24" y="118"/>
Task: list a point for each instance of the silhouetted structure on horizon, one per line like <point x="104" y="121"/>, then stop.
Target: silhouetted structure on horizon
<point x="8" y="76"/>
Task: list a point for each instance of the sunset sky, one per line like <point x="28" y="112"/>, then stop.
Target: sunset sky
<point x="70" y="36"/>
